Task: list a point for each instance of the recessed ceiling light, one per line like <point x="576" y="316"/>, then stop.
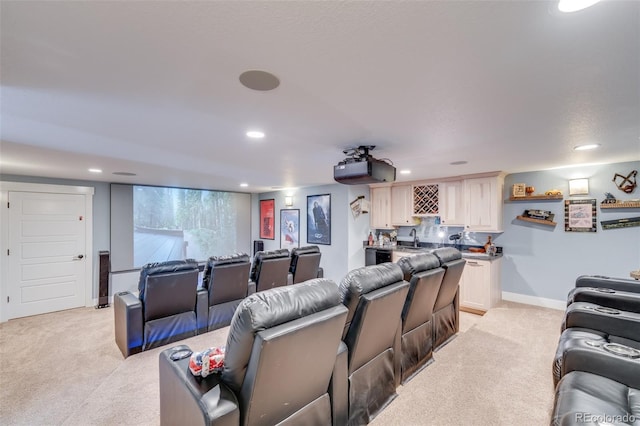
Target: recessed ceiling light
<point x="575" y="5"/>
<point x="255" y="134"/>
<point x="586" y="147"/>
<point x="244" y="185"/>
<point x="95" y="170"/>
<point x="458" y="163"/>
<point x="124" y="174"/>
<point x="405" y="172"/>
<point x="259" y="80"/>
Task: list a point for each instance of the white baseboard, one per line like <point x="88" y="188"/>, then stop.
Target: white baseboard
<point x="560" y="305"/>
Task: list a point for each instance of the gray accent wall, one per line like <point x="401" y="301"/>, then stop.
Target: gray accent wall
<point x="347" y="234"/>
<point x="543" y="261"/>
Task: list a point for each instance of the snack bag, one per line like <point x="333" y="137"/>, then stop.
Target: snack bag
<point x="207" y="362"/>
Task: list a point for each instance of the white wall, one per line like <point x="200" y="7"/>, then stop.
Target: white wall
<point x="543" y="261"/>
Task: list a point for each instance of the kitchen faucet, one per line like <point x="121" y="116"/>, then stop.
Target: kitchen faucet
<point x="413" y="234"/>
<point x="456" y="237"/>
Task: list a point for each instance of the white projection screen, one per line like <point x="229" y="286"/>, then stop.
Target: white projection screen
<point x="154" y="224"/>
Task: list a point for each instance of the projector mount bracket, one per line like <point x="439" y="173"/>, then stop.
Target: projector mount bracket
<point x="360" y="153"/>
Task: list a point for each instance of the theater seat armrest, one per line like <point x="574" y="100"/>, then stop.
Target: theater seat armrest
<point x="620" y="284"/>
<point x="597" y="360"/>
<point x="127" y="310"/>
<point x="585" y="315"/>
<point x="251" y="288"/>
<point x="320" y="273"/>
<point x="202" y="310"/>
<point x="187" y="400"/>
<point x="339" y="387"/>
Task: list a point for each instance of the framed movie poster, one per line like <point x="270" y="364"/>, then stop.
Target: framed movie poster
<point x="319" y="219"/>
<point x="267" y="219"/>
<point x="289" y="228"/>
<point x="580" y="215"/>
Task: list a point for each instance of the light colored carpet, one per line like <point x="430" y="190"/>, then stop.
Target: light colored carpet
<point x="64" y="368"/>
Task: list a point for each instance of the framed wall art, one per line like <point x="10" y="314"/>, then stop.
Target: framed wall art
<point x="289" y="228"/>
<point x="580" y="215"/>
<point x="519" y="190"/>
<point x="319" y="219"/>
<point x="267" y="219"/>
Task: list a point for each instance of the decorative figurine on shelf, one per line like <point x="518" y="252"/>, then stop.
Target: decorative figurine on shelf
<point x="626" y="183"/>
<point x="393" y="236"/>
<point x="610" y="199"/>
<point x="530" y="190"/>
<point x="553" y="192"/>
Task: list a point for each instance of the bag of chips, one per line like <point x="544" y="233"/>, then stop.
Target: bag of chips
<point x="207" y="362"/>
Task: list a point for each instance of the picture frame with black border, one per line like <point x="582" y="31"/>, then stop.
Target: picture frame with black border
<point x="580" y="215"/>
<point x="319" y="219"/>
<point x="289" y="228"/>
<point x="267" y="219"/>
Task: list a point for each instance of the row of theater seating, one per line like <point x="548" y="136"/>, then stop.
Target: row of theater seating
<point x="171" y="306"/>
<point x="318" y="353"/>
<point x="596" y="368"/>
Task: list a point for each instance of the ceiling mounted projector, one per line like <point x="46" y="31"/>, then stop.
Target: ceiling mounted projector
<point x="360" y="168"/>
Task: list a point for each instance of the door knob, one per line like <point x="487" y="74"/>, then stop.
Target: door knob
<point x="78" y="257"/>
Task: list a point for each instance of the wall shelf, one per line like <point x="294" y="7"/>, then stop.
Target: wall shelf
<point x="539" y="221"/>
<point x="538" y="198"/>
<point x="621" y="205"/>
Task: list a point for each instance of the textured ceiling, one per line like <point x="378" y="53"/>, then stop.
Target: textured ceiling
<point x="152" y="88"/>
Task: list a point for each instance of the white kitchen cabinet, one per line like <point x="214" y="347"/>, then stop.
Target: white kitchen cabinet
<point x="401" y="205"/>
<point x="483" y="203"/>
<point x="380" y="215"/>
<point x="397" y="255"/>
<point x="480" y="286"/>
<point x="451" y="203"/>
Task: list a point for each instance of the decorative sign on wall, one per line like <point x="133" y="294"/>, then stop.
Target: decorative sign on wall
<point x="620" y="223"/>
<point x="626" y="183"/>
<point x="580" y="215"/>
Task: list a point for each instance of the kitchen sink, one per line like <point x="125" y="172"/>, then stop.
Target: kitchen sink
<point x="409" y="248"/>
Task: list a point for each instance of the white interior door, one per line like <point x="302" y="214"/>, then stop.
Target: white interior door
<point x="47" y="258"/>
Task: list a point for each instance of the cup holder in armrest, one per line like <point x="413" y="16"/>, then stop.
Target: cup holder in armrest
<point x="605" y="290"/>
<point x="621" y="350"/>
<point x="605" y="310"/>
<point x="593" y="343"/>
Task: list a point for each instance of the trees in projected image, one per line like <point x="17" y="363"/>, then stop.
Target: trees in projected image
<point x="174" y="223"/>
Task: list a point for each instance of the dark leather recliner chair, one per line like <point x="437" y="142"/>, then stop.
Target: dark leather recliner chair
<point x="596" y="367"/>
<point x="168" y="307"/>
<point x="305" y="264"/>
<point x="614" y="318"/>
<point x="425" y="275"/>
<point x="374" y="296"/>
<point x="281" y="353"/>
<point x="446" y="312"/>
<point x="226" y="279"/>
<point x="270" y="269"/>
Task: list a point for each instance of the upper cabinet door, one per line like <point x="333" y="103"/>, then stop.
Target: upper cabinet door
<point x="401" y="205"/>
<point x="483" y="204"/>
<point x="380" y="215"/>
<point x="451" y="203"/>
